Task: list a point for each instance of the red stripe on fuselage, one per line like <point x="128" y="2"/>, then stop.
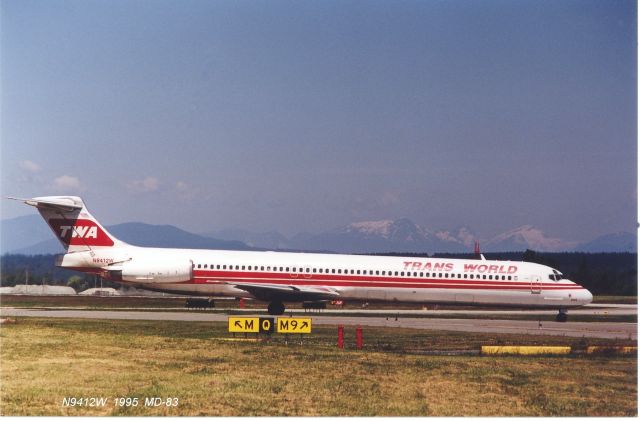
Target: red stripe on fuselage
<point x="201" y="276"/>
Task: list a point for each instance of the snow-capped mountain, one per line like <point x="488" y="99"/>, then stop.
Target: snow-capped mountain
<point x="399" y="230"/>
<point x="461" y="235"/>
<point x="527" y="237"/>
<point x="401" y="235"/>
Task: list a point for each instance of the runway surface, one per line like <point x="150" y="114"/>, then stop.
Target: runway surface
<point x="608" y="330"/>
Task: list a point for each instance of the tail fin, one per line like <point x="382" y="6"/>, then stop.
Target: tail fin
<point x="72" y="223"/>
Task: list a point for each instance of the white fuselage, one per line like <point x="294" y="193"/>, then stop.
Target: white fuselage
<point x="349" y="277"/>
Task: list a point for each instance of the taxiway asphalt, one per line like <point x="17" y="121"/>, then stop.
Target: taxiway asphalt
<point x="608" y="330"/>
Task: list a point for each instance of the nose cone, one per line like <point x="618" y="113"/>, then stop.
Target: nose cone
<point x="584" y="296"/>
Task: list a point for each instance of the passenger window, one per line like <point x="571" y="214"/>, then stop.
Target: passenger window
<point x="484" y="276"/>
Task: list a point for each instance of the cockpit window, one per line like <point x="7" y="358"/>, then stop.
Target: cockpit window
<point x="556" y="276"/>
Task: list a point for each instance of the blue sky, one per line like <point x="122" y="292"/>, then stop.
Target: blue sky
<point x="303" y="116"/>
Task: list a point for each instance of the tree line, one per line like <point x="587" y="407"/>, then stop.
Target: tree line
<point x="20" y="269"/>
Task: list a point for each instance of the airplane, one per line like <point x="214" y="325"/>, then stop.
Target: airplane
<point x="283" y="277"/>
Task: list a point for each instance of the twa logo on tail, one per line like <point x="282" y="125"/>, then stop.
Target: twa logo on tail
<point x="80" y="232"/>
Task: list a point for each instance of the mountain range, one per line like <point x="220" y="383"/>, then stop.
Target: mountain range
<point x="30" y="235"/>
<point x="403" y="235"/>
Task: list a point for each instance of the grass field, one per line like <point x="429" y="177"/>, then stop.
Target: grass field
<point x="45" y="360"/>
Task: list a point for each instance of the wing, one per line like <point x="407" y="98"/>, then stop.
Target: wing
<point x="291" y="293"/>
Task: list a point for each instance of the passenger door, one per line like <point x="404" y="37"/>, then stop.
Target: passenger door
<point x="535" y="284"/>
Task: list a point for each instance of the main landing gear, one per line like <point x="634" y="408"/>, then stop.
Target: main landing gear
<point x="562" y="315"/>
<point x="275" y="308"/>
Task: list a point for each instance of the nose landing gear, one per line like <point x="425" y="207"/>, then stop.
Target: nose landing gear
<point x="562" y="315"/>
<point x="275" y="308"/>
